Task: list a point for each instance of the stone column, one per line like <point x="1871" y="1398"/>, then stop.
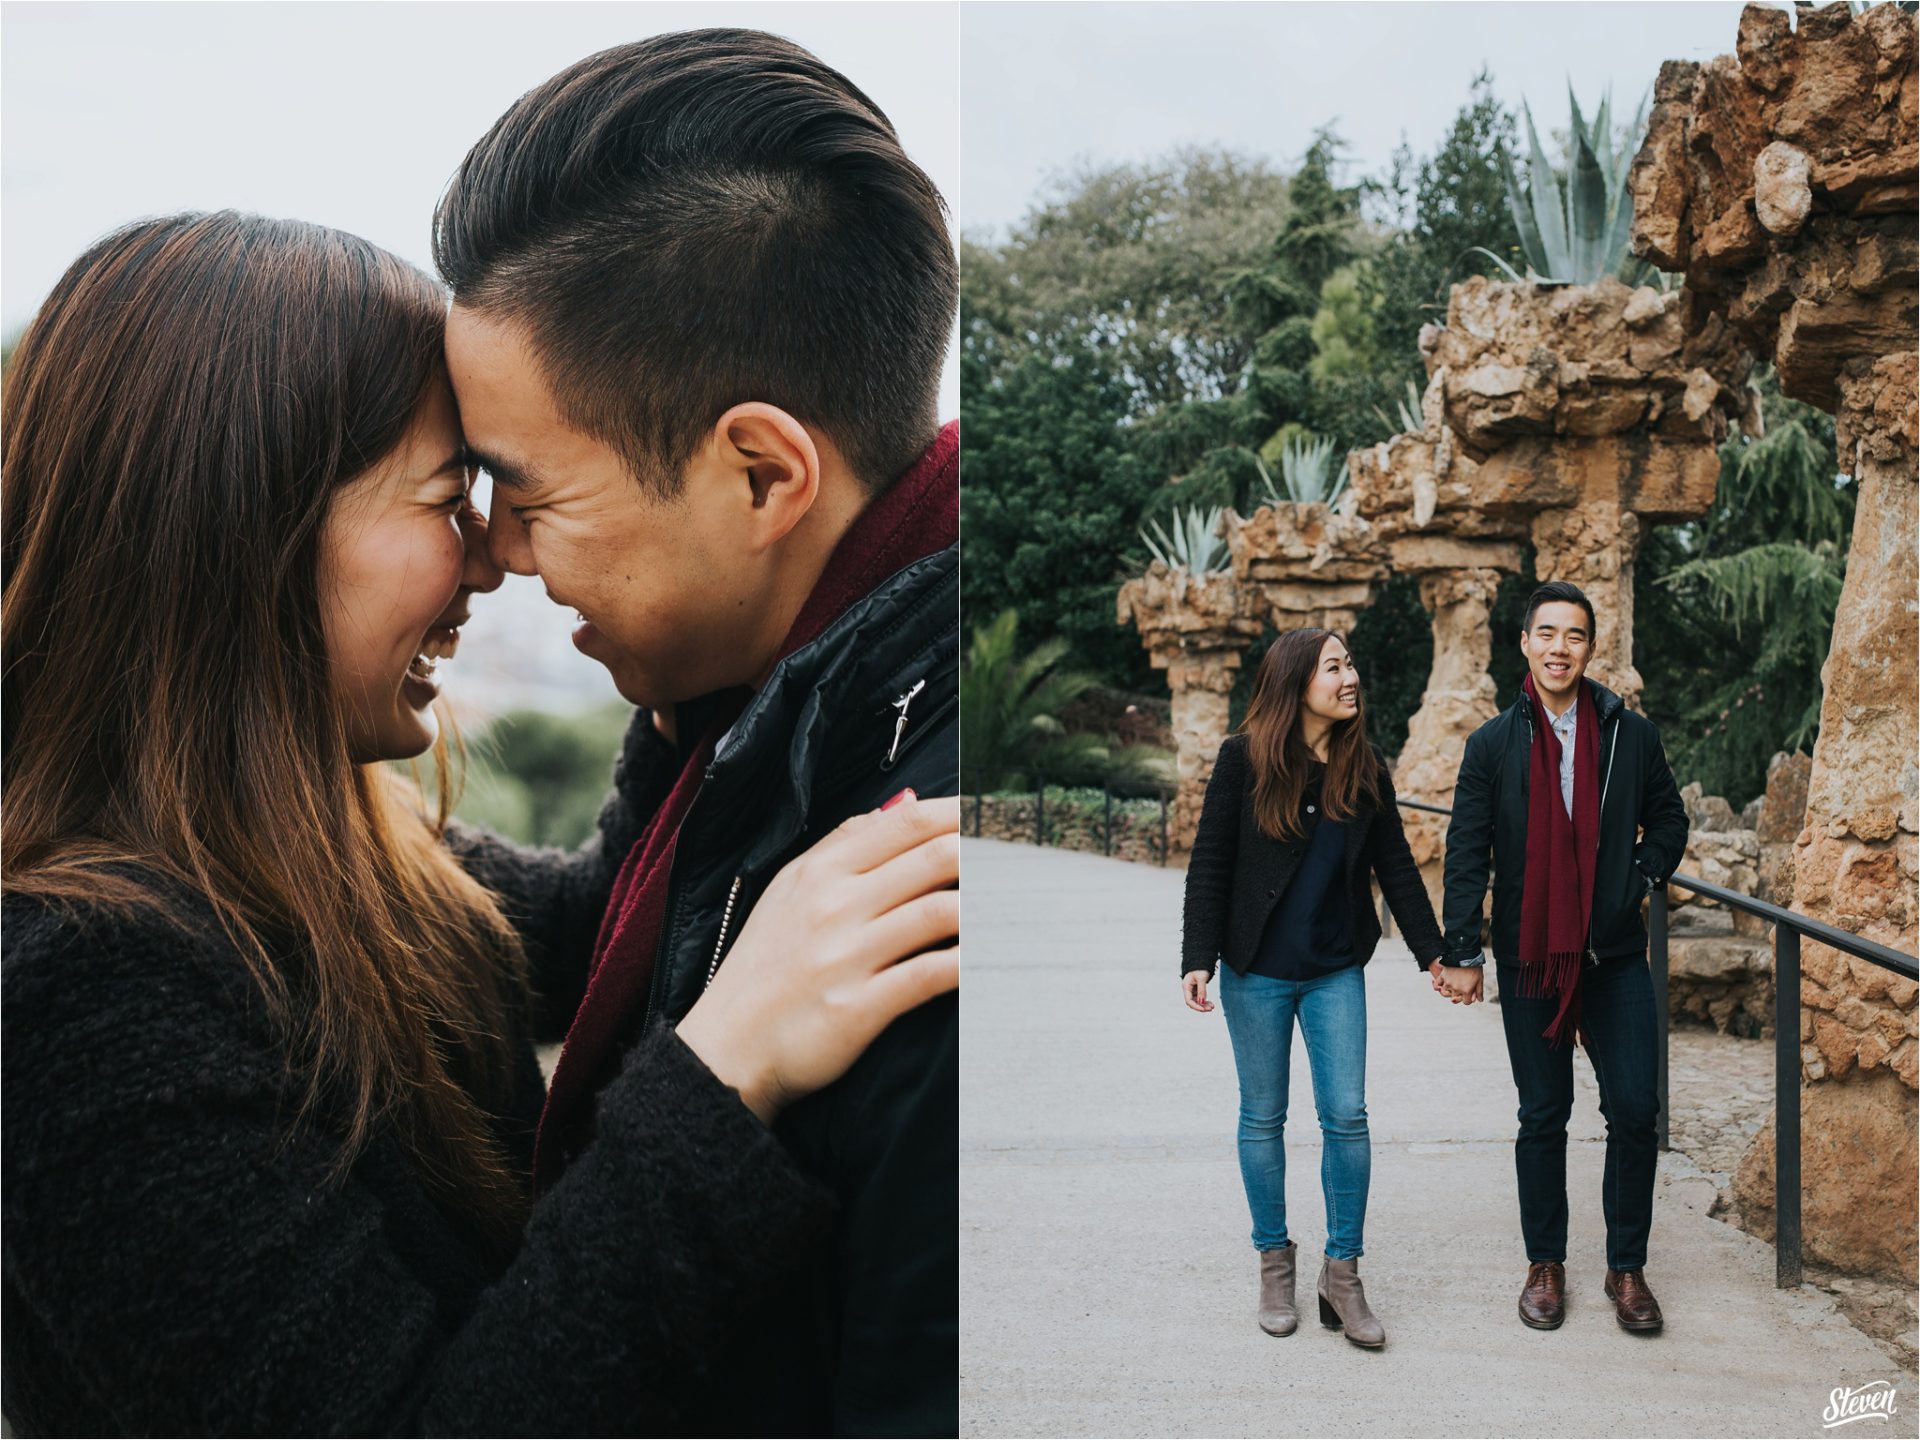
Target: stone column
<point x="1593" y="545"/>
<point x="1782" y="181"/>
<point x="1857" y="862"/>
<point x="1458" y="700"/>
<point x="1198" y="629"/>
<point x="1202" y="691"/>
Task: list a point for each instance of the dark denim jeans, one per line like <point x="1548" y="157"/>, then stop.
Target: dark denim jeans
<point x="1332" y="1011"/>
<point x="1617" y="1012"/>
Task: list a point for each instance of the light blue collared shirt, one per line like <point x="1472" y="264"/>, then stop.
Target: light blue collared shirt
<point x="1564" y="728"/>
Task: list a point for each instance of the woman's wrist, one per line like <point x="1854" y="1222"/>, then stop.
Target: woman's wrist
<point x="737" y="1072"/>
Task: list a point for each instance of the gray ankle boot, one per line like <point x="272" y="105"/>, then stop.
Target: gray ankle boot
<point x="1343" y="1304"/>
<point x="1277" y="1315"/>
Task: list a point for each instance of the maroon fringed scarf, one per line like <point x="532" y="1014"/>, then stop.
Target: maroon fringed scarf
<point x="918" y="515"/>
<point x="1556" y="897"/>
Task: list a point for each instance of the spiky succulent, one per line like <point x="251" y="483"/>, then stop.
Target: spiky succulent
<point x="1579" y="234"/>
<point x="1193" y="545"/>
<point x="1308" y="471"/>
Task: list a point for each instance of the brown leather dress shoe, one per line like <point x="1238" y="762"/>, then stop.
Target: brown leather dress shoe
<point x="1543" y="1299"/>
<point x="1633" y="1303"/>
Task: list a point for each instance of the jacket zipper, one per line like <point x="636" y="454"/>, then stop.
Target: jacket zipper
<point x="720" y="940"/>
<point x="1612" y="747"/>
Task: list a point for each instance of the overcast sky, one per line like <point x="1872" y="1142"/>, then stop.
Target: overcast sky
<point x="1044" y="84"/>
<point x="353" y="114"/>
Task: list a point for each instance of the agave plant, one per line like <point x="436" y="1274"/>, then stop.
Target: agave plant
<point x="1578" y="235"/>
<point x="1193" y="546"/>
<point x="1308" y="471"/>
<point x="1407" y="412"/>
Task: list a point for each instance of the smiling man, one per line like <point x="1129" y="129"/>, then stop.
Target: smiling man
<point x="702" y="299"/>
<point x="1569" y="794"/>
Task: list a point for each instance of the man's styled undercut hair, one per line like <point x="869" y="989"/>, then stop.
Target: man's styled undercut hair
<point x="1561" y="590"/>
<point x="706" y="218"/>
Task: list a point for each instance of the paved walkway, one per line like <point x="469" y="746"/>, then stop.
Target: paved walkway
<point x="1108" y="1283"/>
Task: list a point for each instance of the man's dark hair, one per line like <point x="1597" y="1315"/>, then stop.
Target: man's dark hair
<point x="1562" y="590"/>
<point x="701" y="219"/>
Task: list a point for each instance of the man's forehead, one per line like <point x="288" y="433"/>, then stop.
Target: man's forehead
<point x="1560" y="615"/>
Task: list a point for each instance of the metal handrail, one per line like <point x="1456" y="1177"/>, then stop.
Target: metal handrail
<point x="1788" y="927"/>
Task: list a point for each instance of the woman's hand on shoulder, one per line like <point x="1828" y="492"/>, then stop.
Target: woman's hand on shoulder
<point x="846" y="939"/>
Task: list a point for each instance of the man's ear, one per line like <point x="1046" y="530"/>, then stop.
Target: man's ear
<point x="773" y="467"/>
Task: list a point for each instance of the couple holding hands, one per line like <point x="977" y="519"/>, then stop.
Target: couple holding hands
<point x="1568" y="795"/>
<point x="278" y="1155"/>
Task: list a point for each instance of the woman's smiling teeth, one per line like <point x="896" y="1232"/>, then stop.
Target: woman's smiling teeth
<point x="437" y="646"/>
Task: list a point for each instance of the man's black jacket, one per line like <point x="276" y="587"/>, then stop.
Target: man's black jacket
<point x="1236" y="872"/>
<point x="868" y="1341"/>
<point x="1637" y="794"/>
<point x="865" y="1340"/>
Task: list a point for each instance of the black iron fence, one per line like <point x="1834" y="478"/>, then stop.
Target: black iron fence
<point x="1079" y="817"/>
<point x="1788" y="928"/>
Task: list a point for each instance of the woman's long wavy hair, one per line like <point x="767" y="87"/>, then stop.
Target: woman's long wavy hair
<point x="179" y="417"/>
<point x="1279" y="754"/>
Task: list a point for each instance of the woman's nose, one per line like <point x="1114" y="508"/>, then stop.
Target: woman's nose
<point x="479" y="572"/>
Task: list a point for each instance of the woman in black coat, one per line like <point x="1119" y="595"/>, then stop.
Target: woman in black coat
<point x="1299" y="812"/>
<point x="269" y="1089"/>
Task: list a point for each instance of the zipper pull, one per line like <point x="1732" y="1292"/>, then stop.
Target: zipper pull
<point x="900" y="723"/>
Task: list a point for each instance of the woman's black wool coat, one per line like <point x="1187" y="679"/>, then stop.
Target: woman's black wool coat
<point x="1237" y="873"/>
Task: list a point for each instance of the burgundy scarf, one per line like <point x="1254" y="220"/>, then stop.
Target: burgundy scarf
<point x="1556" y="898"/>
<point x="918" y="515"/>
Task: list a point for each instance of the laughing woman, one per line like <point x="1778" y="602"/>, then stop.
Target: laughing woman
<point x="269" y="1090"/>
<point x="1299" y="813"/>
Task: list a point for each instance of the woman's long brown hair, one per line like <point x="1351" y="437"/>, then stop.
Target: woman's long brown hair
<point x="1278" y="751"/>
<point x="179" y="417"/>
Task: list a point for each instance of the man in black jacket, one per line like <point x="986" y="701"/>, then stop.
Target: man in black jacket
<point x="702" y="299"/>
<point x="1569" y="792"/>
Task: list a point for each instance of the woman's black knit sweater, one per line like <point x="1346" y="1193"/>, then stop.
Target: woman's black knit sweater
<point x="172" y="1267"/>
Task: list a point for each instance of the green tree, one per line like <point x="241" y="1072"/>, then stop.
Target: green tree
<point x="1437" y="210"/>
<point x="1049" y="498"/>
<point x="1135" y="258"/>
<point x="1733" y="621"/>
<point x="540" y="778"/>
<point x="1010" y="731"/>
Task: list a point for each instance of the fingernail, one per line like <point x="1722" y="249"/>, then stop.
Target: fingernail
<point x="906" y="794"/>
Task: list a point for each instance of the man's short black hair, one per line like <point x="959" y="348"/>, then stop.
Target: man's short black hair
<point x="704" y="218"/>
<point x="1562" y="590"/>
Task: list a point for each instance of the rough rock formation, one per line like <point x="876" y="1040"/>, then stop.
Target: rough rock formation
<point x="1306" y="564"/>
<point x="1719" y="959"/>
<point x="1564" y="415"/>
<point x="1577" y="414"/>
<point x="1291" y="566"/>
<point x="1782" y="181"/>
<point x="1783" y="813"/>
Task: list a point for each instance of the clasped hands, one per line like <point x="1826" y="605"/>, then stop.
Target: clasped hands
<point x="1461" y="984"/>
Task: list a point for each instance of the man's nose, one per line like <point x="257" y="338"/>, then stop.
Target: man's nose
<point x="507" y="544"/>
<point x="479" y="571"/>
